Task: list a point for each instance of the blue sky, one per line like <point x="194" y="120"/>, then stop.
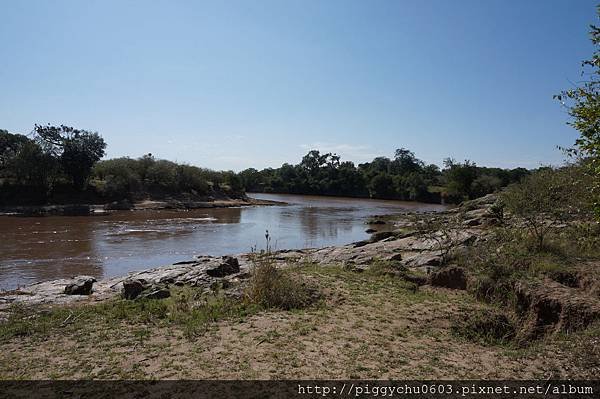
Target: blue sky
<point x="236" y="84"/>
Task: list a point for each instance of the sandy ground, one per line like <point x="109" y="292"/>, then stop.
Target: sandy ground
<point x="370" y="327"/>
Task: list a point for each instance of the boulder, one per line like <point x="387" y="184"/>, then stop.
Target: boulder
<point x="156" y="292"/>
<point x="382" y="235"/>
<point x="229" y="265"/>
<point x="472" y="222"/>
<point x="395" y="257"/>
<point x="370" y="231"/>
<point x="81" y="285"/>
<point x="449" y="277"/>
<point x="132" y="288"/>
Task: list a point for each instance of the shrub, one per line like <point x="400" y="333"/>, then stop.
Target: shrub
<point x="548" y="198"/>
<point x="271" y="287"/>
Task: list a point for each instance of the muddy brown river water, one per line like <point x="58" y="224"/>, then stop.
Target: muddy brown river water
<point x="44" y="248"/>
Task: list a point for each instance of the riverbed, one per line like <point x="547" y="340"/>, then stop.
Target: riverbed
<point x="44" y="248"/>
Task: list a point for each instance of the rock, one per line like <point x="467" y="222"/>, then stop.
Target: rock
<point x="156" y="292"/>
<point x="76" y="210"/>
<point x="478" y="203"/>
<point x="370" y="231"/>
<point x="449" y="277"/>
<point x="123" y="205"/>
<point x="81" y="286"/>
<point x="395" y="257"/>
<point x="229" y="265"/>
<point x="376" y="221"/>
<point x="186" y="262"/>
<point x="422" y="259"/>
<point x="472" y="222"/>
<point x="382" y="235"/>
<point x="132" y="288"/>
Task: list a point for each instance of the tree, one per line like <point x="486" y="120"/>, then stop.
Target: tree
<point x="313" y="161"/>
<point x="77" y="150"/>
<point x="405" y="162"/>
<point x="251" y="179"/>
<point x="23" y="162"/>
<point x="583" y="103"/>
<point x="460" y="177"/>
<point x="10" y="144"/>
<point x="382" y="186"/>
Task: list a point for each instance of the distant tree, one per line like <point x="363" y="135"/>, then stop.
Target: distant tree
<point x="24" y="161"/>
<point x="405" y="162"/>
<point x="382" y="186"/>
<point x="77" y="150"/>
<point x="251" y="179"/>
<point x="460" y="177"/>
<point x="485" y="184"/>
<point x="313" y="161"/>
<point x="10" y="144"/>
<point x="234" y="182"/>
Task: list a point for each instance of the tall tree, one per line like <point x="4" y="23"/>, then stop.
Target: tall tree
<point x="78" y="150"/>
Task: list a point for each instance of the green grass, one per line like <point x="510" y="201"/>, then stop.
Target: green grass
<point x="488" y="326"/>
<point x="188" y="308"/>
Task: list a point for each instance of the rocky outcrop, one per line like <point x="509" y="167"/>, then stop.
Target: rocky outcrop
<point x="156" y="292"/>
<point x="132" y="288"/>
<point x="229" y="265"/>
<point x="82" y="285"/>
<point x="152" y="283"/>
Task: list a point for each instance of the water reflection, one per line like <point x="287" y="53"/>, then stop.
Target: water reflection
<point x="34" y="249"/>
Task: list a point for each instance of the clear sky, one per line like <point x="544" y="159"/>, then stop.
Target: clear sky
<point x="236" y="84"/>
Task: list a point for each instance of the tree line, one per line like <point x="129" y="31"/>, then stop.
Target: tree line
<point x="61" y="164"/>
<point x="404" y="177"/>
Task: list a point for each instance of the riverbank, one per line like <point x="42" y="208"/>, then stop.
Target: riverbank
<point x="149" y="204"/>
<point x="403" y="304"/>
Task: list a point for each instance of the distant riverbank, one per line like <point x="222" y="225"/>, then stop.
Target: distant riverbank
<point x="145" y="205"/>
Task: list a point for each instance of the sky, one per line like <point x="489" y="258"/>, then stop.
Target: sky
<point x="237" y="84"/>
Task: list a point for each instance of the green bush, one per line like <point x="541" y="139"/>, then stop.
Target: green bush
<point x="548" y="198"/>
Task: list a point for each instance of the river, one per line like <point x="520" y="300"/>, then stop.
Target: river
<point x="43" y="248"/>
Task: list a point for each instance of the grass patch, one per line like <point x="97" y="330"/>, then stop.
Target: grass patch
<point x="486" y="326"/>
<point x="188" y="308"/>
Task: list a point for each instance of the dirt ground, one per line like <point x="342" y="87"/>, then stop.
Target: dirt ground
<point x="369" y="327"/>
